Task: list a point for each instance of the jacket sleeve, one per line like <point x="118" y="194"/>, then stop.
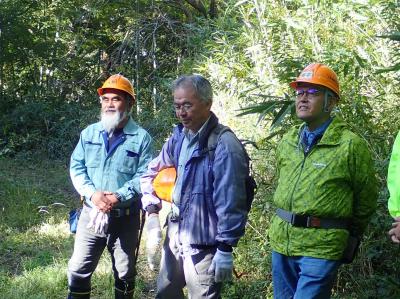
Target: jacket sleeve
<point x="132" y="187"/>
<point x="229" y="197"/>
<point x="393" y="179"/>
<point x="163" y="160"/>
<point x="365" y="188"/>
<point x="78" y="172"/>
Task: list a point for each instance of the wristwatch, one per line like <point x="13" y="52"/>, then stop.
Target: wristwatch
<point x="118" y="196"/>
<point x="150" y="209"/>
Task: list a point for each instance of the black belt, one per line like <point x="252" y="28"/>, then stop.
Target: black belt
<point x="312" y="221"/>
<point x="117" y="212"/>
<point x="121" y="212"/>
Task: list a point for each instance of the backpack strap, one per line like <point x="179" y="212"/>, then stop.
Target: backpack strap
<point x="215" y="135"/>
<point x="213" y="138"/>
<point x="250" y="183"/>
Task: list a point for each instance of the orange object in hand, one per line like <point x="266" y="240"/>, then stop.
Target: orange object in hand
<point x="164" y="183"/>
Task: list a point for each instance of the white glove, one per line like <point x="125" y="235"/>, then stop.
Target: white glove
<point x="222" y="266"/>
<point x="153" y="240"/>
<point x="98" y="221"/>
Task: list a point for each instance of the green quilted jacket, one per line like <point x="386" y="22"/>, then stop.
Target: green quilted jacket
<point x="393" y="179"/>
<point x="335" y="180"/>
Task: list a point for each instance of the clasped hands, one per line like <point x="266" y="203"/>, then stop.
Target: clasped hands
<point x="104" y="200"/>
<point x="394" y="232"/>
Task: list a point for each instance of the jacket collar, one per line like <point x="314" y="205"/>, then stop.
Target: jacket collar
<point x="331" y="136"/>
<point x="205" y="132"/>
<point x="131" y="127"/>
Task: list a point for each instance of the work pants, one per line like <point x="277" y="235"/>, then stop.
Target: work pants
<point x="120" y="239"/>
<point x="178" y="269"/>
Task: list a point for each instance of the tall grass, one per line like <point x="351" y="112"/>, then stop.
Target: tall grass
<point x="35" y="243"/>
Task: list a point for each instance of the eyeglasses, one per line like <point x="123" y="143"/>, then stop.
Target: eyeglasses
<point x="184" y="107"/>
<point x="313" y="92"/>
<point x="115" y="100"/>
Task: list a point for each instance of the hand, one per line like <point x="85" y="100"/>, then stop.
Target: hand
<point x="111" y="198"/>
<point x="394" y="233"/>
<point x="101" y="201"/>
<point x="222" y="266"/>
<point x="153" y="239"/>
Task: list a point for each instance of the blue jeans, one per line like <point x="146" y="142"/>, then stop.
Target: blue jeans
<point x="302" y="277"/>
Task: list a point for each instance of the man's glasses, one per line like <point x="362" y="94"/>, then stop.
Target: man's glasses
<point x="184" y="107"/>
<point x="313" y="92"/>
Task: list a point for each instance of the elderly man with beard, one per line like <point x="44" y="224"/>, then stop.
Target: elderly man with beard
<point x="106" y="165"/>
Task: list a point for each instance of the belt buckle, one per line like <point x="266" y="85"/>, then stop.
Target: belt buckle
<point x="313" y="222"/>
<point x="117" y="213"/>
<point x="299" y="220"/>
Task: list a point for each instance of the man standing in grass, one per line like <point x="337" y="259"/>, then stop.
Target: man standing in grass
<point x="326" y="192"/>
<point x="106" y="165"/>
<point x="209" y="203"/>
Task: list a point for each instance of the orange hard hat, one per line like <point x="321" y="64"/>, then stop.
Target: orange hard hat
<point x="118" y="82"/>
<point x="164" y="183"/>
<point x="320" y="74"/>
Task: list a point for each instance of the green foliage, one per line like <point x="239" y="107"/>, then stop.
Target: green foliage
<point x="265" y="44"/>
<point x="54" y="54"/>
<point x="37" y="126"/>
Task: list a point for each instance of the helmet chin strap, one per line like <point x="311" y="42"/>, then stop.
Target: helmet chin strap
<point x="327" y="95"/>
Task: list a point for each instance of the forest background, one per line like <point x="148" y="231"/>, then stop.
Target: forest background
<point x="54" y="54"/>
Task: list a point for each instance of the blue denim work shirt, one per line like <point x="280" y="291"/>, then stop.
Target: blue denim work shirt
<point x="93" y="168"/>
<point x="311" y="138"/>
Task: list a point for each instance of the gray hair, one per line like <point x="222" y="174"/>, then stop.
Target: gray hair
<point x="200" y="85"/>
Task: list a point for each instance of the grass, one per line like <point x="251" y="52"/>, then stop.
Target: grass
<point x="35" y="244"/>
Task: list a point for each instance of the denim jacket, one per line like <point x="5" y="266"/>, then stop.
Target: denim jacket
<point x="93" y="169"/>
<point x="212" y="207"/>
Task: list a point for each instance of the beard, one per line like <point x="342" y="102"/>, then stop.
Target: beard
<point x="111" y="120"/>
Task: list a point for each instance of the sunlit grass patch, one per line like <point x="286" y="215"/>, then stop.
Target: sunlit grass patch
<point x="40" y="282"/>
<point x="36" y="244"/>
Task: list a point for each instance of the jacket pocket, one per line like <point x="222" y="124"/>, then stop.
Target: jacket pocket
<point x="201" y="222"/>
<point x="92" y="154"/>
<point x="129" y="158"/>
<point x="201" y="263"/>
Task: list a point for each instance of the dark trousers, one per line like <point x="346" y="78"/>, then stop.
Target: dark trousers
<point x="120" y="239"/>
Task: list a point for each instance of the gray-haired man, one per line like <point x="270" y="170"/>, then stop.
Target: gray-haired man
<point x="209" y="212"/>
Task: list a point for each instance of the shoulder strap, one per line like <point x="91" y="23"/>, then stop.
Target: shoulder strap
<point x="213" y="138"/>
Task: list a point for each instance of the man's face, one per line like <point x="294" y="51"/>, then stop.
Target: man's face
<point x="189" y="109"/>
<point x="310" y="105"/>
<point x="114" y="109"/>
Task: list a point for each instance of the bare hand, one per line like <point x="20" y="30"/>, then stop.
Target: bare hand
<point x="111" y="198"/>
<point x="101" y="201"/>
<point x="394" y="233"/>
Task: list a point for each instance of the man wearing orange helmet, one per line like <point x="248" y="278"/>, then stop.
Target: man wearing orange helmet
<point x="326" y="192"/>
<point x="106" y="165"/>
